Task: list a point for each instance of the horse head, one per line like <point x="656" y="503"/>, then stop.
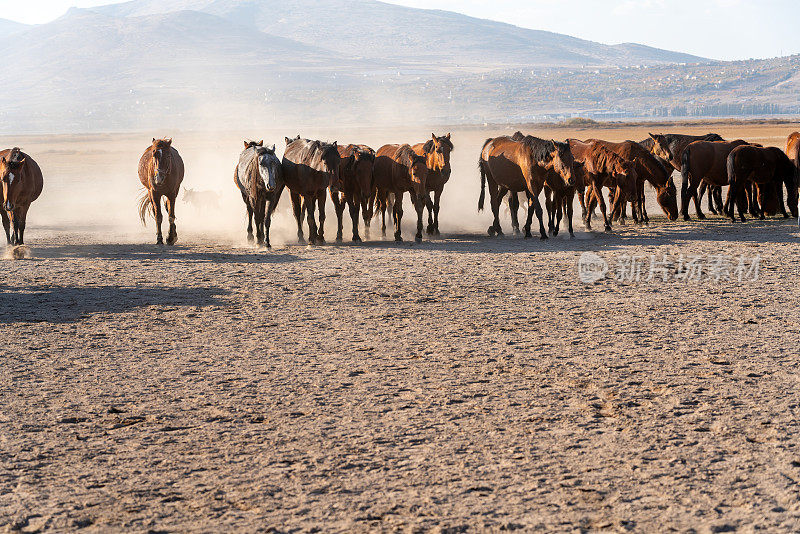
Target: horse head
<point x="667" y="197"/>
<point x="418" y="171"/>
<point x="162" y="161"/>
<point x="661" y="147"/>
<point x="563" y="162"/>
<point x="290" y="140"/>
<point x="624" y="173"/>
<point x="437" y="151"/>
<point x="363" y="163"/>
<point x="11" y="177"/>
<point x="269" y="166"/>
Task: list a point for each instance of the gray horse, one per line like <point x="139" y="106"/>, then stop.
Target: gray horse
<point x="259" y="178"/>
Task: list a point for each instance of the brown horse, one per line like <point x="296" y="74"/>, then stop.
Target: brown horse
<point x="22" y="184"/>
<point x="355" y="190"/>
<point x="560" y="205"/>
<point x="793" y="151"/>
<point x="523" y="163"/>
<point x="604" y="168"/>
<point x="670" y="147"/>
<point x="398" y="169"/>
<point x="703" y="161"/>
<point x="437" y="157"/>
<point x="649" y="169"/>
<point x="259" y="178"/>
<point x="769" y="169"/>
<point x="161" y="173"/>
<point x="309" y="169"/>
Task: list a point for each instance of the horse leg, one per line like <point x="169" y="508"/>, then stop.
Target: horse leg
<point x="495" y="198"/>
<point x="698" y="204"/>
<point x="338" y="206"/>
<point x="382" y="207"/>
<point x="249" y="218"/>
<point x="529" y="216"/>
<point x="397" y="215"/>
<point x="297" y="209"/>
<point x="437" y="197"/>
<point x="589" y="206"/>
<point x="420" y="201"/>
<point x="6" y="224"/>
<point x="354" y="204"/>
<point x="261" y="205"/>
<point x="156" y="200"/>
<point x="602" y="203"/>
<point x="537" y="208"/>
<point x="309" y="205"/>
<point x="718" y="198"/>
<point x="321" y="228"/>
<point x="172" y="236"/>
<point x="685" y="193"/>
<point x="568" y="201"/>
<point x="272" y="204"/>
<point x="513" y="207"/>
<point x="429" y="204"/>
<point x="366" y="214"/>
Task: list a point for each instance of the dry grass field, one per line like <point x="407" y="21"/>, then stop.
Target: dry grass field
<point x="464" y="384"/>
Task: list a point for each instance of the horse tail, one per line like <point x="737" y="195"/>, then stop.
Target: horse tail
<point x="685" y="165"/>
<point x="482" y="168"/>
<point x="145" y="205"/>
<point x="731" y="164"/>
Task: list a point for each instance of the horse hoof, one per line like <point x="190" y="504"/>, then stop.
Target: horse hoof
<point x="398" y="239"/>
<point x="571" y="235"/>
<point x="171" y="241"/>
<point x="418" y="239"/>
<point x="701" y="216"/>
<point x="159" y="241"/>
<point x="608" y="229"/>
<point x="687" y="218"/>
<point x="430" y="230"/>
<point x="356" y="239"/>
<point x="339" y="239"/>
<point x="250" y="238"/>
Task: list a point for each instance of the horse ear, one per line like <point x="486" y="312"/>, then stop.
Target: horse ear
<point x="273" y="147"/>
<point x="287" y="140"/>
<point x="433" y="136"/>
<point x="448" y="135"/>
<point x="261" y="143"/>
<point x="652" y="136"/>
<point x="334" y="144"/>
<point x="169" y="142"/>
<point x="246" y="145"/>
<point x="154" y="139"/>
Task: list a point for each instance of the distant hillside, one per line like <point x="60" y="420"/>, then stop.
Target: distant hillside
<point x="9" y="27"/>
<point x="206" y="64"/>
<point x="366" y="28"/>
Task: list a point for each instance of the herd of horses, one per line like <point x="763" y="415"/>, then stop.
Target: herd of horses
<point x="760" y="180"/>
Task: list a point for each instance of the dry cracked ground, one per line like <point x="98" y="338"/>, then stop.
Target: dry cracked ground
<point x="464" y="384"/>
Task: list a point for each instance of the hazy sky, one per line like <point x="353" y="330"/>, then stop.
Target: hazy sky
<point x="720" y="29"/>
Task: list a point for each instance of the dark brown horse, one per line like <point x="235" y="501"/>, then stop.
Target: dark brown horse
<point x="259" y="177"/>
<point x="309" y="169"/>
<point x="523" y="163"/>
<point x="22" y="184"/>
<point x="437" y="157"/>
<point x="670" y="147"/>
<point x="703" y="161"/>
<point x="648" y="169"/>
<point x="161" y="173"/>
<point x="355" y="189"/>
<point x="604" y="168"/>
<point x="766" y="167"/>
<point x="398" y="169"/>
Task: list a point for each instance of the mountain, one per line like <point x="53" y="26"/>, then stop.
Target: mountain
<point x="9" y="27"/>
<point x="366" y="28"/>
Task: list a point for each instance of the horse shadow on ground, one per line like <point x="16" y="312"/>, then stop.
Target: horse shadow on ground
<point x="59" y="304"/>
<point x="157" y="252"/>
<point x="660" y="232"/>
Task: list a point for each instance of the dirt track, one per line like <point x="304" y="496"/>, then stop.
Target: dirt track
<point x="464" y="384"/>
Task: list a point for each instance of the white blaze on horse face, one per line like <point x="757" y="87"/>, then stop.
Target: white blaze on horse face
<point x="10" y="178"/>
<point x="267" y="172"/>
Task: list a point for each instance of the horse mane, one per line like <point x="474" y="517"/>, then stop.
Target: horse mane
<point x="407" y="156"/>
<point x="712" y="137"/>
<point x="606" y="160"/>
<point x="518" y="136"/>
<point x="541" y="149"/>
